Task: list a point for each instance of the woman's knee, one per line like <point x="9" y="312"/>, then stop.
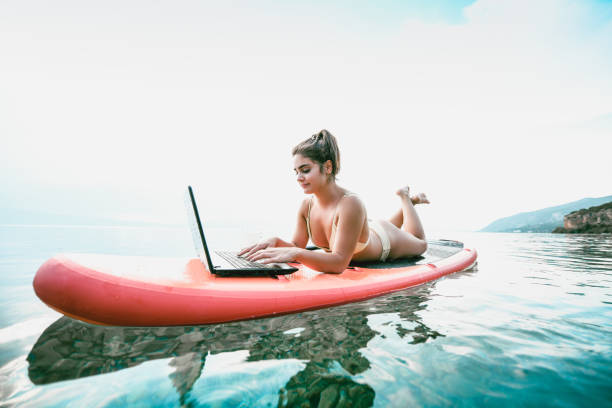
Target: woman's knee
<point x="422" y="246"/>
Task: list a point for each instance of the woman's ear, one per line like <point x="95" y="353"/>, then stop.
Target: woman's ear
<point x="328" y="167"/>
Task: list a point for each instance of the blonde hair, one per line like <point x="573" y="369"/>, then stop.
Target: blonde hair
<point x="320" y="148"/>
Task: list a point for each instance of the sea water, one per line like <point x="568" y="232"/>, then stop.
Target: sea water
<point x="530" y="325"/>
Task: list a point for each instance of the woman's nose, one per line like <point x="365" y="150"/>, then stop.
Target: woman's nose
<point x="300" y="177"/>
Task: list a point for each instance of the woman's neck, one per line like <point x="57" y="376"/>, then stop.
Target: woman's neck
<point x="329" y="194"/>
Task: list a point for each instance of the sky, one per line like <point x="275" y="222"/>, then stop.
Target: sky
<point x="110" y="109"/>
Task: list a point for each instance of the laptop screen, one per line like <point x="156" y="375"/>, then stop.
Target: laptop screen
<point x="197" y="233"/>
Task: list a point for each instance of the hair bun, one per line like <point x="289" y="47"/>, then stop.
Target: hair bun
<point x="320" y="147"/>
<point x="318" y="136"/>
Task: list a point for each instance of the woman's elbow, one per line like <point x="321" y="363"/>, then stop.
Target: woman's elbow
<point x="338" y="268"/>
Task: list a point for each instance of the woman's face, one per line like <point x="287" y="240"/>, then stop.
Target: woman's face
<point x="308" y="173"/>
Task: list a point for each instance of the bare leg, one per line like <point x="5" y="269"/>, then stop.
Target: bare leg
<point x="398" y="218"/>
<point x="411" y="222"/>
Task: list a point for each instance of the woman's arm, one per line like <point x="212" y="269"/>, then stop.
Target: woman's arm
<point x="329" y="262"/>
<point x="300" y="235"/>
<point x="351" y="216"/>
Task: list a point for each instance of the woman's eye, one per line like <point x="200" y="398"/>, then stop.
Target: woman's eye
<point x="301" y="171"/>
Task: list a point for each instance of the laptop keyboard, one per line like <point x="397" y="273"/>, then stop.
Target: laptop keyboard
<point x="241" y="263"/>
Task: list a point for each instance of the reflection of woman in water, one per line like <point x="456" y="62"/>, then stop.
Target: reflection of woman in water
<point x="335" y="219"/>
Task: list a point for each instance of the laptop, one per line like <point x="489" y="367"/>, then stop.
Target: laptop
<point x="225" y="263"/>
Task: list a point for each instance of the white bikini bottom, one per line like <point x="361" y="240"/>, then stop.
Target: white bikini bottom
<point x="377" y="227"/>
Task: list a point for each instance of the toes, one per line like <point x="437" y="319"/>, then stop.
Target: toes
<point x="405" y="191"/>
<point x="423" y="199"/>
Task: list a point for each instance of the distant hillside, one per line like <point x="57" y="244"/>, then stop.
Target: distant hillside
<point x="544" y="220"/>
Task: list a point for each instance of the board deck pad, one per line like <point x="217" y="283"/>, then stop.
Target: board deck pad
<point x="436" y="250"/>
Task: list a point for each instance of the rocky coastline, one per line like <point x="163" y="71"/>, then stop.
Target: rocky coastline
<point x="593" y="220"/>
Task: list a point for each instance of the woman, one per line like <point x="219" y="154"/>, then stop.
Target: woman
<point x="336" y="220"/>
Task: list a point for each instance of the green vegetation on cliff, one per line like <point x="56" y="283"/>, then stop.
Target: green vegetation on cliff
<point x="598" y="208"/>
<point x="592" y="220"/>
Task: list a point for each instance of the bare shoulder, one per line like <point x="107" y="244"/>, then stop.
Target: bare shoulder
<point x="352" y="204"/>
<point x="304" y="206"/>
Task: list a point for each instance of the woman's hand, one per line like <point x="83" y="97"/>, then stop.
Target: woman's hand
<point x="273" y="255"/>
<point x="252" y="249"/>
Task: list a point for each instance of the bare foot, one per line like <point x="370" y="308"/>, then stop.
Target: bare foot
<point x="420" y="198"/>
<point x="404" y="192"/>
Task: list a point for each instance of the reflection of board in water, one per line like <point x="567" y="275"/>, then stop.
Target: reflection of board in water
<point x="138" y="291"/>
<point x="69" y="349"/>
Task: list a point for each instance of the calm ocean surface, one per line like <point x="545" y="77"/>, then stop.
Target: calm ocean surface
<point x="531" y="325"/>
